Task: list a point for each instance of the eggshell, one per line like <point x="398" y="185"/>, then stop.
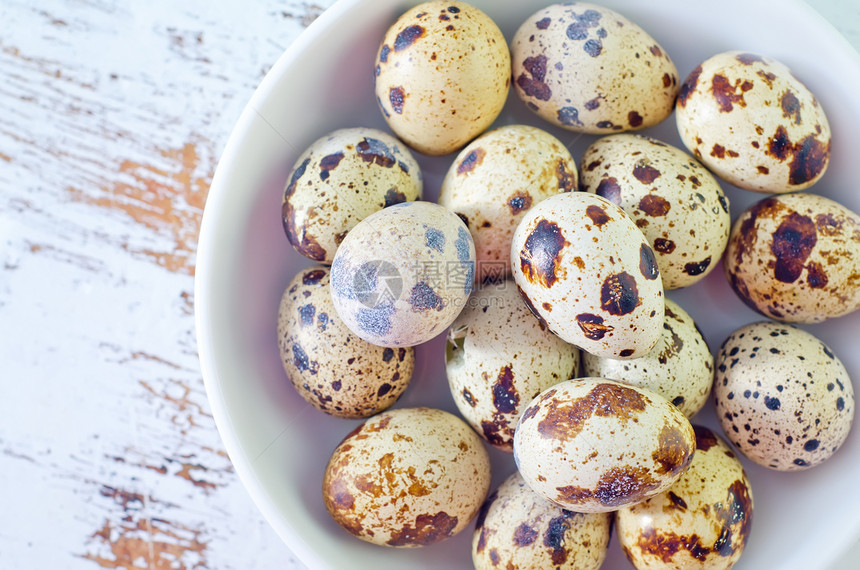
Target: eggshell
<point x="589" y="274"/>
<point x="751" y="121"/>
<point x="499" y="357"/>
<point x="680" y="367"/>
<point x="704" y="519"/>
<point x="673" y="199"/>
<point x="496" y="179"/>
<point x="796" y="258"/>
<point x="589" y="69"/>
<point x="442" y="75"/>
<point x="407" y="477"/>
<point x="517" y="528"/>
<point x="403" y="274"/>
<point x="331" y="368"/>
<point x="342" y="178"/>
<point x="782" y="396"/>
<point x="596" y="445"/>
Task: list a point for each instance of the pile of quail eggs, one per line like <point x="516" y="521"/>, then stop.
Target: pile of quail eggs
<point x="549" y="281"/>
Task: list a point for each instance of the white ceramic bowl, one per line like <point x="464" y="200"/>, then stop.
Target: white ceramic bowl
<point x="280" y="445"/>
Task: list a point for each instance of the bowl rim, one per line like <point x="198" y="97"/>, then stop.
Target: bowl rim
<point x="206" y="259"/>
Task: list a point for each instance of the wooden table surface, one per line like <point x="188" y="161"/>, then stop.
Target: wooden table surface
<point x="112" y="118"/>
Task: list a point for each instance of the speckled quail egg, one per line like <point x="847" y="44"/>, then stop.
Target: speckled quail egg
<point x="499" y="357"/>
<point x="680" y="368"/>
<point x="517" y="528"/>
<point x="586" y="270"/>
<point x="782" y="396"/>
<point x="498" y="177"/>
<point x="403" y="274"/>
<point x="596" y="445"/>
<point x="341" y="179"/>
<point x="407" y="477"/>
<point x="331" y="368"/>
<point x="586" y="68"/>
<point x="702" y="521"/>
<point x="442" y="75"/>
<point x="796" y="258"/>
<point x="673" y="199"/>
<point x="753" y="123"/>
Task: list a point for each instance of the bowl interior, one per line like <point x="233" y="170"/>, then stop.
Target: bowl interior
<point x="280" y="445"/>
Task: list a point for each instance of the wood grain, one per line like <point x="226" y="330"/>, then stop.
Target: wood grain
<point x="112" y="116"/>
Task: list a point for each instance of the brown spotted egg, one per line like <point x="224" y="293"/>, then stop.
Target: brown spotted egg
<point x="673" y="199"/>
<point x="588" y="273"/>
<point x="680" y="367"/>
<point x="753" y="123"/>
<point x="596" y="445"/>
<point x="702" y="521"/>
<point x="589" y="69"/>
<point x="442" y="75"/>
<point x="341" y="179"/>
<point x="403" y="274"/>
<point x="331" y="368"/>
<point x="517" y="528"/>
<point x="796" y="258"/>
<point x="782" y="396"/>
<point x="496" y="179"/>
<point x="407" y="477"/>
<point x="499" y="357"/>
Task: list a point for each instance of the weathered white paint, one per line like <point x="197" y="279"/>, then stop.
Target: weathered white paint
<point x="112" y="116"/>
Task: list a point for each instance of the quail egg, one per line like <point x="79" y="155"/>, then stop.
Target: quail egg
<point x="341" y="179"/>
<point x="587" y="68"/>
<point x="407" y="477"/>
<point x="331" y="368"/>
<point x="442" y="75"/>
<point x="752" y="122"/>
<point x="496" y="179"/>
<point x="586" y="270"/>
<point x="680" y="368"/>
<point x="499" y="357"/>
<point x="403" y="274"/>
<point x="673" y="199"/>
<point x="702" y="521"/>
<point x="782" y="396"/>
<point x="796" y="258"/>
<point x="517" y="528"/>
<point x="596" y="445"/>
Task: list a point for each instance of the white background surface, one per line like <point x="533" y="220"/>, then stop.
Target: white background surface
<point x="112" y="118"/>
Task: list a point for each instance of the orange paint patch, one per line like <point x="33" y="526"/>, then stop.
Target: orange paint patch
<point x="138" y="541"/>
<point x="188" y="411"/>
<point x="156" y="543"/>
<point x="167" y="200"/>
<point x="186" y="473"/>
